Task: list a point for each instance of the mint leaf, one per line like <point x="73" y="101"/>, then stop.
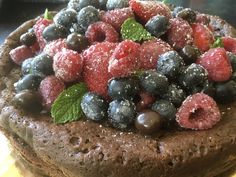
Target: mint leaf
<point x="218" y="43"/>
<point x="66" y="107"/>
<point x="47" y="15"/>
<point x="134" y="31"/>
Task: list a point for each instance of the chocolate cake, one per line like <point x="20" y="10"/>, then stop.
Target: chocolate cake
<point x="87" y="149"/>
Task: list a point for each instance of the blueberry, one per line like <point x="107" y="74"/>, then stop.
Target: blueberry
<point x="85" y="3"/>
<point x="157" y="25"/>
<point x="175" y="95"/>
<point x="170" y="64"/>
<point x="226" y="92"/>
<point x="176" y="10"/>
<point x="65" y="18"/>
<point x="190" y="54"/>
<point x="117" y="4"/>
<point x="28" y="38"/>
<point x="87" y="16"/>
<point x="94" y="107"/>
<point x="166" y="109"/>
<point x="121" y="113"/>
<point x="103" y="4"/>
<point x="232" y="59"/>
<point x="53" y="32"/>
<point x="126" y="88"/>
<point x="195" y="75"/>
<point x="76" y="28"/>
<point x="28" y="82"/>
<point x="207" y="88"/>
<point x="77" y="42"/>
<point x="74" y="4"/>
<point x="187" y="14"/>
<point x="153" y="82"/>
<point x="42" y="64"/>
<point x="27" y="66"/>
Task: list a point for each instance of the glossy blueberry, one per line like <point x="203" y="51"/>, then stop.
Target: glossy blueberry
<point x="157" y="25"/>
<point x="26" y="66"/>
<point x="28" y="38"/>
<point x="77" y="42"/>
<point x="42" y="64"/>
<point x="76" y="28"/>
<point x="117" y="4"/>
<point x="226" y="92"/>
<point x="232" y="59"/>
<point x="187" y="14"/>
<point x="121" y="113"/>
<point x="170" y="64"/>
<point x="126" y="88"/>
<point x="153" y="82"/>
<point x="65" y="18"/>
<point x="94" y="107"/>
<point x="190" y="54"/>
<point x="87" y="16"/>
<point x="53" y="32"/>
<point x="176" y="10"/>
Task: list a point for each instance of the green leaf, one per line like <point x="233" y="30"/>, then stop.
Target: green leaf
<point x="47" y="15"/>
<point x="66" y="107"/>
<point x="134" y="31"/>
<point x="218" y="43"/>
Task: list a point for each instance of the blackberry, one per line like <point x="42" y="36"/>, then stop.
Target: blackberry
<point x="190" y="54"/>
<point x="121" y="113"/>
<point x="126" y="88"/>
<point x="157" y="25"/>
<point x="170" y="64"/>
<point x="226" y="92"/>
<point x="65" y="18"/>
<point x="77" y="42"/>
<point x="187" y="14"/>
<point x="153" y="82"/>
<point x="176" y="10"/>
<point x="42" y="64"/>
<point x="117" y="4"/>
<point x="94" y="107"/>
<point x="28" y="38"/>
<point x="53" y="32"/>
<point x="26" y="66"/>
<point x="232" y="59"/>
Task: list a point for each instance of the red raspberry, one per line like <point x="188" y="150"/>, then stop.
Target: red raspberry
<point x="49" y="89"/>
<point x="117" y="17"/>
<point x="198" y="112"/>
<point x="95" y="73"/>
<point x="180" y="33"/>
<point x="230" y="44"/>
<point x="55" y="46"/>
<point x="202" y="36"/>
<point x="148" y="9"/>
<point x="39" y="26"/>
<point x="125" y="59"/>
<point x="20" y="54"/>
<point x="217" y="63"/>
<point x="67" y="65"/>
<point x="101" y="32"/>
<point x="146" y="100"/>
<point x="150" y="52"/>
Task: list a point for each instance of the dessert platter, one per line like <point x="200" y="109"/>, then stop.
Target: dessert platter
<point x="121" y="88"/>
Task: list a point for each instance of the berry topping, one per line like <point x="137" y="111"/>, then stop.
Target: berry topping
<point x="76" y="28"/>
<point x="94" y="107"/>
<point x="203" y="19"/>
<point x="67" y="65"/>
<point x="101" y="32"/>
<point x="217" y="63"/>
<point x="74" y="4"/>
<point x="148" y="122"/>
<point x="146" y="100"/>
<point x="103" y="4"/>
<point x="226" y="92"/>
<point x="117" y="4"/>
<point x="198" y="112"/>
<point x="77" y="42"/>
<point x="125" y="59"/>
<point x="54" y="47"/>
<point x="65" y="18"/>
<point x="20" y="54"/>
<point x="121" y="113"/>
<point x="27" y="66"/>
<point x="28" y="38"/>
<point x="53" y="32"/>
<point x="190" y="54"/>
<point x="187" y="14"/>
<point x="229" y="44"/>
<point x="176" y="10"/>
<point x="49" y="89"/>
<point x="232" y="58"/>
<point x="180" y="33"/>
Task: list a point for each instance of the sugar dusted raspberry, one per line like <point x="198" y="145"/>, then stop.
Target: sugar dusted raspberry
<point x="198" y="112"/>
<point x="95" y="73"/>
<point x="150" y="52"/>
<point x="180" y="33"/>
<point x="55" y="46"/>
<point x="20" y="54"/>
<point x="101" y="32"/>
<point x="125" y="59"/>
<point x="217" y="64"/>
<point x="49" y="89"/>
<point x="67" y="65"/>
<point x="230" y="44"/>
<point x="117" y="17"/>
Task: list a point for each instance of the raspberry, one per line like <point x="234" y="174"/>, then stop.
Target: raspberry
<point x="100" y="32"/>
<point x="148" y="9"/>
<point x="198" y="112"/>
<point x="217" y="63"/>
<point x="35" y="48"/>
<point x="55" y="46"/>
<point x="95" y="73"/>
<point x="150" y="52"/>
<point x="125" y="59"/>
<point x="20" y="54"/>
<point x="67" y="65"/>
<point x="146" y="100"/>
<point x="229" y="44"/>
<point x="202" y="37"/>
<point x="39" y="26"/>
<point x="180" y="33"/>
<point x="117" y="17"/>
<point x="49" y="89"/>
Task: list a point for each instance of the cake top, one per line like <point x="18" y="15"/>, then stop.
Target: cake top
<point x="127" y="64"/>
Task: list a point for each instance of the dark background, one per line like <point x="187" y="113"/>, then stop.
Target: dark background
<point x="15" y="12"/>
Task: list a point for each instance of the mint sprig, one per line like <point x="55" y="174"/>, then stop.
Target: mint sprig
<point x="47" y="15"/>
<point x="134" y="31"/>
<point x="66" y="107"/>
<point x="218" y="43"/>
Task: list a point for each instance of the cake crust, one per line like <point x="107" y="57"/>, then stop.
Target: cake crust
<point x="87" y="149"/>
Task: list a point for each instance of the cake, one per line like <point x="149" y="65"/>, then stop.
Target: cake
<point x="86" y="149"/>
